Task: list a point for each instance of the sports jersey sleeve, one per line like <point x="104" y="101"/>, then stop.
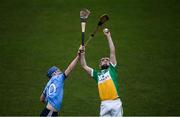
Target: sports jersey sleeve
<point x="44" y="92"/>
<point x="64" y="76"/>
<point x="94" y="74"/>
<point x="113" y="66"/>
<point x="45" y="89"/>
<point x="61" y="77"/>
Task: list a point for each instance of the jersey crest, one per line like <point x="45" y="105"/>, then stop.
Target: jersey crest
<point x="52" y="89"/>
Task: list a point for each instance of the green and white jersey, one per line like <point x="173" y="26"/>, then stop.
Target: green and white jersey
<point x="107" y="82"/>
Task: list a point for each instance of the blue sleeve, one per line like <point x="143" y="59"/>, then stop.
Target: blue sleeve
<point x="61" y="77"/>
<point x="44" y="91"/>
<point x="64" y="76"/>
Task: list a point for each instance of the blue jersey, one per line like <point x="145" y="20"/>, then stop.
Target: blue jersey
<point x="54" y="91"/>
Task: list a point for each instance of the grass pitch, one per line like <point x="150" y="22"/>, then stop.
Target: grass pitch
<point x="37" y="34"/>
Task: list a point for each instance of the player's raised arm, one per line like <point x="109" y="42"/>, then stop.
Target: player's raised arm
<point x="111" y="46"/>
<point x="71" y="65"/>
<point x="83" y="60"/>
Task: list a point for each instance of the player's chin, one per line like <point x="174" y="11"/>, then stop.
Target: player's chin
<point x="105" y="66"/>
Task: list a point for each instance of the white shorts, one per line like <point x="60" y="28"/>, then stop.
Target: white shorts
<point x="111" y="108"/>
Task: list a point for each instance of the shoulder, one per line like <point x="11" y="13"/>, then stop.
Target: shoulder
<point x="61" y="76"/>
<point x="94" y="72"/>
<point x="113" y="65"/>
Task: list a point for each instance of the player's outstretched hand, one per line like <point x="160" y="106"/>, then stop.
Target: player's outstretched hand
<point x="106" y="32"/>
<point x="81" y="49"/>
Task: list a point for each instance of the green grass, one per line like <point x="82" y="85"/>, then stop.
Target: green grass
<point x="37" y="34"/>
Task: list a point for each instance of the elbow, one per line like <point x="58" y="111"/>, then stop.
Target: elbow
<point x="41" y="99"/>
<point x="83" y="66"/>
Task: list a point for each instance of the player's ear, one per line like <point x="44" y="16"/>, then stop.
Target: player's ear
<point x="100" y="65"/>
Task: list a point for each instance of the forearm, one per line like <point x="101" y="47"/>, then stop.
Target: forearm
<point x="112" y="50"/>
<point x="71" y="66"/>
<point x="111" y="45"/>
<point x="84" y="65"/>
<point x="83" y="60"/>
<point x="73" y="63"/>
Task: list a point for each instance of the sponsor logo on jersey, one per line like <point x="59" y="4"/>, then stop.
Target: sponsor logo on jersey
<point x="104" y="77"/>
<point x="52" y="89"/>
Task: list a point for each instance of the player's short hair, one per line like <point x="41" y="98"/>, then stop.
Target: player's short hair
<point x="104" y="58"/>
<point x="51" y="71"/>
